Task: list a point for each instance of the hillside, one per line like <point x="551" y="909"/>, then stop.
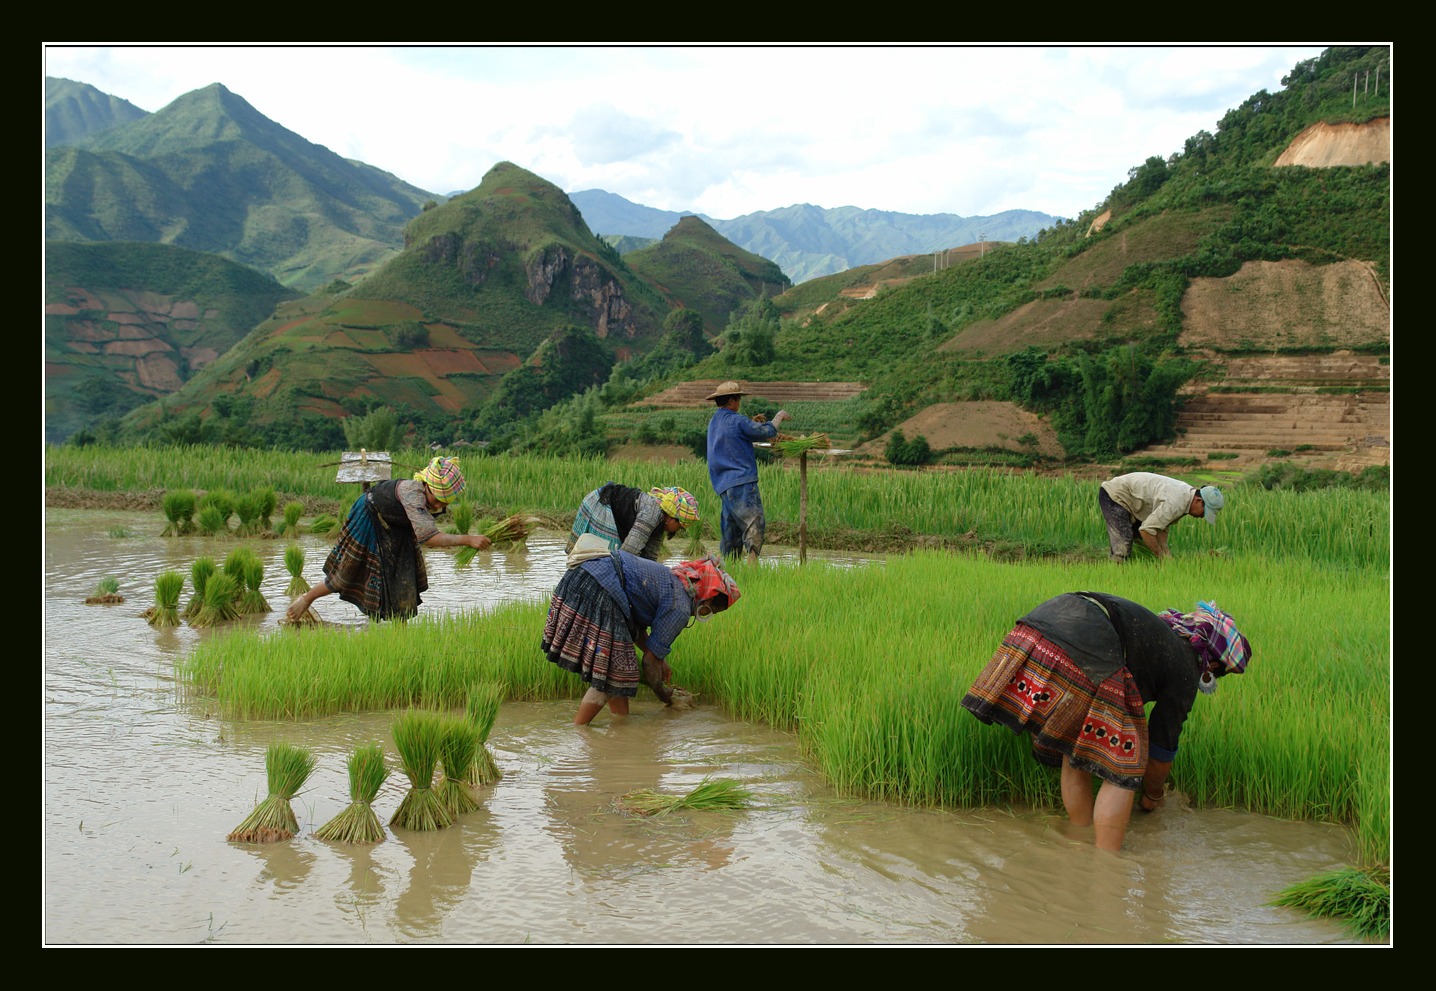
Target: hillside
<point x="210" y="172"/>
<point x="126" y="323"/>
<point x="75" y="111"/>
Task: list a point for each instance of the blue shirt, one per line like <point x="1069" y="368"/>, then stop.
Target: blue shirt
<point x="651" y="595"/>
<point x="730" y="448"/>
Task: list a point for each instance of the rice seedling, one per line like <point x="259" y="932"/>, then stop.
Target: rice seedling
<point x="211" y="522"/>
<point x="222" y="502"/>
<point x="199" y="574"/>
<point x="119" y="532"/>
<point x="294" y="563"/>
<point x="511" y="532"/>
<point x="107" y="593"/>
<point x="324" y="523"/>
<point x="482" y="710"/>
<point x="267" y="501"/>
<point x="463" y="517"/>
<point x="247" y="508"/>
<point x="418" y="736"/>
<point x="178" y="506"/>
<point x="693" y="547"/>
<point x="458" y="745"/>
<point x="709" y="795"/>
<point x="358" y="823"/>
<point x="220" y="593"/>
<point x="168" y="587"/>
<point x="288" y="767"/>
<point x="292" y="512"/>
<point x="792" y="447"/>
<point x="1359" y="897"/>
<point x="236" y="565"/>
<point x="253" y="600"/>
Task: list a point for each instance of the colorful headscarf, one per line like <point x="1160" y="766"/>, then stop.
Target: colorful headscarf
<point x="1221" y="648"/>
<point x="677" y="503"/>
<point x="704" y="579"/>
<point x="443" y="478"/>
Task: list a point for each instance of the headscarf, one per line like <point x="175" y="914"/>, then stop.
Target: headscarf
<point x="677" y="503"/>
<point x="704" y="579"/>
<point x="443" y="478"/>
<point x="1221" y="648"/>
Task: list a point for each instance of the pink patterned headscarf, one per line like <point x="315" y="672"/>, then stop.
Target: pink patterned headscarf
<point x="443" y="478"/>
<point x="704" y="579"/>
<point x="677" y="503"/>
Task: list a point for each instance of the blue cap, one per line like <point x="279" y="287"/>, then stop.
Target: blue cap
<point x="1212" y="499"/>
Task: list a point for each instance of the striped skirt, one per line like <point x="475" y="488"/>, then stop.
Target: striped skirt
<point x="587" y="633"/>
<point x="376" y="567"/>
<point x="1032" y="686"/>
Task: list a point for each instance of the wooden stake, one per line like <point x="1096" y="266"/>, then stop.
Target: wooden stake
<point x="803" y="508"/>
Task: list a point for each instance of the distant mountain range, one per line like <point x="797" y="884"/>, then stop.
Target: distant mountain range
<point x="809" y="241"/>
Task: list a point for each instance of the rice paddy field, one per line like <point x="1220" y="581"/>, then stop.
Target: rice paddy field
<point x="884" y="812"/>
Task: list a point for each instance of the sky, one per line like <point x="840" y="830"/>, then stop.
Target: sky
<point x="727" y="131"/>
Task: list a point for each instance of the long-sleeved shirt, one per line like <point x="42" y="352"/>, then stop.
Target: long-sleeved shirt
<point x="1156" y="500"/>
<point x="730" y="448"/>
<point x="650" y="595"/>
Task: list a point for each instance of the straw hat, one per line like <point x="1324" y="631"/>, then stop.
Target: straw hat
<point x="729" y="388"/>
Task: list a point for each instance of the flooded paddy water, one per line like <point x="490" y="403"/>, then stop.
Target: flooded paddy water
<point x="141" y="785"/>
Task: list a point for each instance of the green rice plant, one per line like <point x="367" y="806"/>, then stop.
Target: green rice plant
<point x="247" y="507"/>
<point x="288" y="767"/>
<point x="253" y="600"/>
<point x="358" y="823"/>
<point x="222" y="500"/>
<point x="792" y="447"/>
<point x="267" y="501"/>
<point x="119" y="532"/>
<point x="693" y="547"/>
<point x="178" y="506"/>
<point x="107" y="592"/>
<point x="236" y="565"/>
<point x="512" y="531"/>
<point x="457" y="750"/>
<point x="419" y="736"/>
<point x="1357" y="896"/>
<point x="168" y="587"/>
<point x="294" y="563"/>
<point x="463" y="517"/>
<point x="709" y="795"/>
<point x="199" y="574"/>
<point x="292" y="512"/>
<point x="482" y="710"/>
<point x="324" y="523"/>
<point x="220" y="594"/>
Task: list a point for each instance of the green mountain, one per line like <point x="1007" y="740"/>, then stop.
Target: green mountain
<point x="210" y="172"/>
<point x="706" y="271"/>
<point x="75" y="111"/>
<point x="126" y="323"/>
<point x="809" y="241"/>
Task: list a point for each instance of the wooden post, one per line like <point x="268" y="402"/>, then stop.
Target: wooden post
<point x="803" y="508"/>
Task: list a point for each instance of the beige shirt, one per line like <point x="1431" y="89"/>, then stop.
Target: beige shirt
<point x="1155" y="500"/>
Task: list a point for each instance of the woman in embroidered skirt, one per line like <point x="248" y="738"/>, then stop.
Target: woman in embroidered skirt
<point x="633" y="520"/>
<point x="1077" y="672"/>
<point x="376" y="563"/>
<point x="611" y="605"/>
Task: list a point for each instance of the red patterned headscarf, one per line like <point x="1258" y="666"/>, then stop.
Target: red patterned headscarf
<point x="704" y="579"/>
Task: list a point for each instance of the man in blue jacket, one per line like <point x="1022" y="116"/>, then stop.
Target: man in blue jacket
<point x="733" y="470"/>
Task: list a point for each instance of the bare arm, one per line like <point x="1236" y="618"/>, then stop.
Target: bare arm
<point x="480" y="542"/>
<point x="1156" y="543"/>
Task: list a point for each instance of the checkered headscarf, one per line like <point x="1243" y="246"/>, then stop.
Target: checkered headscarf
<point x="1221" y="648"/>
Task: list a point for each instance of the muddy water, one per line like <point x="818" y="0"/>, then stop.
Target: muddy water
<point x="141" y="788"/>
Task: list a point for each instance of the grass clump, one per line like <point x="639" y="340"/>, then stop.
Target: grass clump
<point x="179" y="510"/>
<point x="168" y="587"/>
<point x="482" y="710"/>
<point x="1360" y="897"/>
<point x="273" y="819"/>
<point x="457" y="749"/>
<point x="419" y="738"/>
<point x="709" y="795"/>
<point x="358" y="823"/>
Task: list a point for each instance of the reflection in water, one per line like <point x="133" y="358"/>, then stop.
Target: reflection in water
<point x="141" y="787"/>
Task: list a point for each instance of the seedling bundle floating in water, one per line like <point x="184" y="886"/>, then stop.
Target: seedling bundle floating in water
<point x="254" y="600"/>
<point x="107" y="593"/>
<point x="220" y="593"/>
<point x="482" y="711"/>
<point x="248" y="507"/>
<point x="292" y="512"/>
<point x="199" y="574"/>
<point x="168" y="587"/>
<point x="418" y="736"/>
<point x="236" y="566"/>
<point x="457" y="747"/>
<point x="358" y="823"/>
<point x="273" y="819"/>
<point x="179" y="510"/>
<point x="724" y="793"/>
<point x="1359" y="897"/>
<point x="267" y="501"/>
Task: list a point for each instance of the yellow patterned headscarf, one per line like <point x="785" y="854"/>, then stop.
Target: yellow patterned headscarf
<point x="443" y="478"/>
<point x="677" y="503"/>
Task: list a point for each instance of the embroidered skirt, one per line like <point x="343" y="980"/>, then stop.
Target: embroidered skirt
<point x="1032" y="686"/>
<point x="376" y="566"/>
<point x="588" y="634"/>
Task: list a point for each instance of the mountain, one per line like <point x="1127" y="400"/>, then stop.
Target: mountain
<point x="809" y="241"/>
<point x="706" y="271"/>
<point x="126" y="323"/>
<point x="210" y="172"/>
<point x="75" y="111"/>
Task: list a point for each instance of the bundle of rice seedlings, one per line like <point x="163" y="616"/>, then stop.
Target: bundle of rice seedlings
<point x="463" y="517"/>
<point x="107" y="593"/>
<point x="267" y="501"/>
<point x="694" y="548"/>
<point x="465" y="555"/>
<point x="418" y="736"/>
<point x="168" y="587"/>
<point x="247" y="506"/>
<point x="338" y="526"/>
<point x="253" y="600"/>
<point x="220" y="593"/>
<point x="221" y="504"/>
<point x="199" y="573"/>
<point x="791" y="447"/>
<point x="179" y="510"/>
<point x="273" y="819"/>
<point x="457" y="747"/>
<point x="211" y="521"/>
<point x="482" y="710"/>
<point x="1360" y="897"/>
<point x="358" y="823"/>
<point x="292" y="512"/>
<point x="236" y="565"/>
<point x="294" y="561"/>
<point x="511" y="532"/>
<point x="724" y="793"/>
<point x="324" y="523"/>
